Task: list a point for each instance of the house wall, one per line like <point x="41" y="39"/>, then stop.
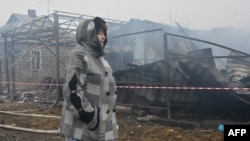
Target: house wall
<point x="24" y="72"/>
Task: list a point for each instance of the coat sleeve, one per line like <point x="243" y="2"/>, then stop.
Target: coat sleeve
<point x="77" y="70"/>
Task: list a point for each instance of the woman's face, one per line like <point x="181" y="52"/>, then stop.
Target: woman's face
<point x="101" y="37"/>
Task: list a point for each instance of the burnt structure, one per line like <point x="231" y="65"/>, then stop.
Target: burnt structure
<point x="138" y="60"/>
<point x="195" y="69"/>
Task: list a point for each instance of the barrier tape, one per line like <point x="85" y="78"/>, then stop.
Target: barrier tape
<point x="186" y="88"/>
<point x="145" y="87"/>
<point x="39" y="84"/>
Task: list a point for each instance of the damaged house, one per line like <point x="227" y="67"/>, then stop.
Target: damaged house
<point x="151" y="56"/>
<point x="186" y="71"/>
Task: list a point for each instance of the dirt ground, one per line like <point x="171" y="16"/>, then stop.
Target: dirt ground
<point x="130" y="128"/>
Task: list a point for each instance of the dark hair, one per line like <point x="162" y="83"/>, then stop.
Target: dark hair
<point x="100" y="24"/>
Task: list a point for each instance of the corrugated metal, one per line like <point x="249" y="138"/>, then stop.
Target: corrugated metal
<point x="237" y="68"/>
<point x="182" y="73"/>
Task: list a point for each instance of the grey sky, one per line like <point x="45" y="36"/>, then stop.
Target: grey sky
<point x="195" y="14"/>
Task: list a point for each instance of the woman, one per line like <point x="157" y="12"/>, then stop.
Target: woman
<point x="89" y="91"/>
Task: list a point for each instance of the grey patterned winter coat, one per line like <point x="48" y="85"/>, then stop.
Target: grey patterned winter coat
<point x="89" y="79"/>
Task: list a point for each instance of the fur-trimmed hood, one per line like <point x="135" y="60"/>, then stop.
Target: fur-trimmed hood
<point x="86" y="34"/>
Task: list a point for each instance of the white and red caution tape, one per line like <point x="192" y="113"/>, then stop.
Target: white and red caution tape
<point x="185" y="88"/>
<point x="145" y="87"/>
<point x="38" y="84"/>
